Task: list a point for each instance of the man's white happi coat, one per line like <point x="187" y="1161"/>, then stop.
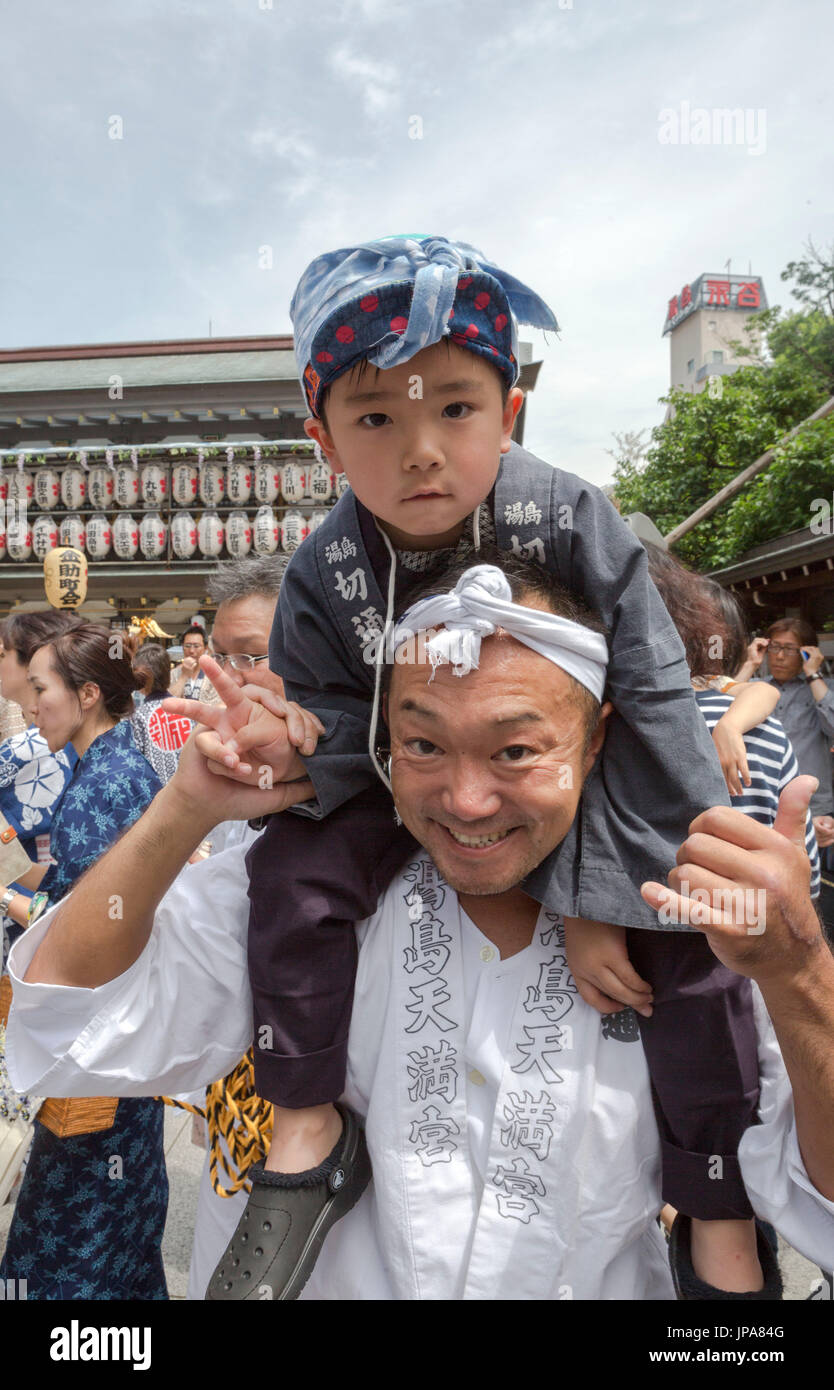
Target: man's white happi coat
<point x="510" y="1127"/>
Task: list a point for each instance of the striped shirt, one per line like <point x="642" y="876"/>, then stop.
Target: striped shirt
<point x="772" y="765"/>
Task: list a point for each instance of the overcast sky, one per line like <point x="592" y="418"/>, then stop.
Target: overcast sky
<point x="245" y="126"/>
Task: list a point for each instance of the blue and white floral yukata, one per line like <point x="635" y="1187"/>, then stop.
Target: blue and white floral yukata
<point x="32" y="782"/>
<point x="91" y="1211"/>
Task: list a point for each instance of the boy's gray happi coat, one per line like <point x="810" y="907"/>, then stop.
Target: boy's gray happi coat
<point x="658" y="768"/>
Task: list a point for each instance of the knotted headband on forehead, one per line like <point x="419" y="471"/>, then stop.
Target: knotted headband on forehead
<point x="481" y="602"/>
<point x="384" y="301"/>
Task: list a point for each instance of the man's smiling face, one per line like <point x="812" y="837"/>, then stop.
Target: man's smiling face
<point x="487" y="769"/>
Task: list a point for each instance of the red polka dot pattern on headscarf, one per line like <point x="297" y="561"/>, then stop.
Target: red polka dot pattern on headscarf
<point x="478" y="321"/>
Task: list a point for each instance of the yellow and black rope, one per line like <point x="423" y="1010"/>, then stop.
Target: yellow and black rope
<point x="235" y="1113"/>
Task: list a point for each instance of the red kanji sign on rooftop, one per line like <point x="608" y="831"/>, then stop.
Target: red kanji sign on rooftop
<point x="719" y="292"/>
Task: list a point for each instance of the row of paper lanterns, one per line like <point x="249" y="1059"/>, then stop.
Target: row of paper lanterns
<point x="264" y="534"/>
<point x="211" y="483"/>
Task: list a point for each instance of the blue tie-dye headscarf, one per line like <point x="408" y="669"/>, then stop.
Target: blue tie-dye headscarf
<point x="387" y="300"/>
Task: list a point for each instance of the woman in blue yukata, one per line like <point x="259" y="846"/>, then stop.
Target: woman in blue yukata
<point x="32" y="778"/>
<point x="91" y="1210"/>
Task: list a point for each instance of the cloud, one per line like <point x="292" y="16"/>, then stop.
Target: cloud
<point x="377" y="83"/>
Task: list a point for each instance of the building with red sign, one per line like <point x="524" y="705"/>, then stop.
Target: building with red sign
<point x="703" y="320"/>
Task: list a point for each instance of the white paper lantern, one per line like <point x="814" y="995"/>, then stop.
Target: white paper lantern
<point x="19" y="540"/>
<point x="2" y="537"/>
<point x="267" y="481"/>
<point x="126" y="485"/>
<point x="4" y="486"/>
<point x="72" y="532"/>
<point x="153" y="536"/>
<point x="100" y="488"/>
<point x="342" y="484"/>
<point x="153" y="484"/>
<point x="238" y="534"/>
<point x="47" y="488"/>
<point x="266" y="532"/>
<point x="293" y="482"/>
<point x="44" y="536"/>
<point x="314" y="521"/>
<point x="99" y="536"/>
<point x="185" y="479"/>
<point x="293" y="531"/>
<point x="73" y="488"/>
<point x="21" y="486"/>
<point x="210" y="534"/>
<point x="183" y="535"/>
<point x="239" y="481"/>
<point x="321" y="482"/>
<point x="211" y="483"/>
<point x="125" y="536"/>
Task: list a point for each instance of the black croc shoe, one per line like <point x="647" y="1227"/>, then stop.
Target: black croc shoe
<point x="278" y="1238"/>
<point x="689" y="1288"/>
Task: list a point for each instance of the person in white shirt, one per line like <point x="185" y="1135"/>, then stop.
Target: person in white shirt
<point x="490" y="1089"/>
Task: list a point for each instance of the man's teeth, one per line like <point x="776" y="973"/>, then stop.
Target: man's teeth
<point x="477" y="841"/>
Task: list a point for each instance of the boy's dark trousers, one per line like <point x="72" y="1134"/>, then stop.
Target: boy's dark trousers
<point x="702" y="1052"/>
<point x="316" y="878"/>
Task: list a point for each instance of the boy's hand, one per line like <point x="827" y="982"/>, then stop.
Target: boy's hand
<point x="252" y="720"/>
<point x="205" y="800"/>
<point x="599" y="963"/>
<point x="732" y="754"/>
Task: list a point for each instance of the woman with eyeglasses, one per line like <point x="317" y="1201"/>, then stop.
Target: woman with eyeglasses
<point x="806" y="709"/>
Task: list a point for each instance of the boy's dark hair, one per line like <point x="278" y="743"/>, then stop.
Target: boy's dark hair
<point x="526" y="580"/>
<point x="154" y="658"/>
<point x="25" y="632"/>
<point x="360" y="368"/>
<point x="86" y="653"/>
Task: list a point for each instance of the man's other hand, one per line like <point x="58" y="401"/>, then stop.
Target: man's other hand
<point x="745" y="885"/>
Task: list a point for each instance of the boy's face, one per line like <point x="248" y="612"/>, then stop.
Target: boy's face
<point x="420" y="443"/>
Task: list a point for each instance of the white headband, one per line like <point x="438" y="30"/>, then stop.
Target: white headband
<point x="482" y="601"/>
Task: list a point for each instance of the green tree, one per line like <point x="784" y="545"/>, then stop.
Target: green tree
<point x="708" y="438"/>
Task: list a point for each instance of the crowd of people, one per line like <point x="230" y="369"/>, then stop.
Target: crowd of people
<point x="86" y="766"/>
<point x="473" y="849"/>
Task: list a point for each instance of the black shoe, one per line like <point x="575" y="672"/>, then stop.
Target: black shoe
<point x="278" y="1238"/>
<point x="689" y="1288"/>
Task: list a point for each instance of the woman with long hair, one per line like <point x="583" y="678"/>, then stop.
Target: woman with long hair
<point x="91" y="1210"/>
